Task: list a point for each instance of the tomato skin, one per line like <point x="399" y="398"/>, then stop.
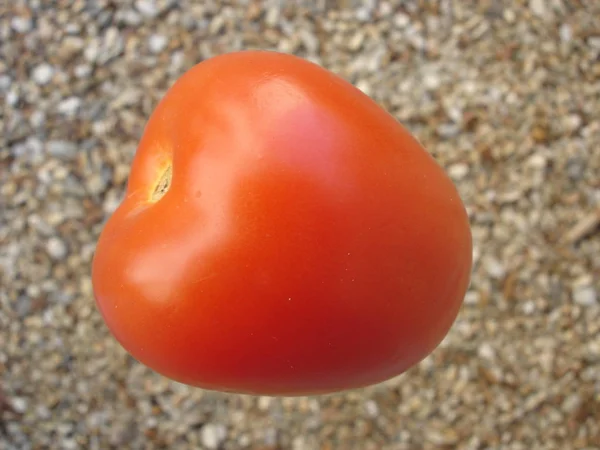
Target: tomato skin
<point x="307" y="243"/>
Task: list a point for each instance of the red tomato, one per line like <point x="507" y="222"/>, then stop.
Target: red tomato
<point x="281" y="235"/>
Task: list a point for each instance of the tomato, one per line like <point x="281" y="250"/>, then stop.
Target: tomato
<point x="281" y="234"/>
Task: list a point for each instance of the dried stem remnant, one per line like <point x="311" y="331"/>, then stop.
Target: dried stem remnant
<point x="163" y="184"/>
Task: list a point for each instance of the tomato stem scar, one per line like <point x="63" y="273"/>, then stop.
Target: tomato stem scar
<point x="163" y="184"/>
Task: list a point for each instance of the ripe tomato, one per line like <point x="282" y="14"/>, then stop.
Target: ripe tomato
<point x="281" y="234"/>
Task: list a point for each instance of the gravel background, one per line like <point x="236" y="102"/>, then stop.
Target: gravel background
<point x="505" y="94"/>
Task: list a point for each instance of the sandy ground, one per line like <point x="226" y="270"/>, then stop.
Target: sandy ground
<point x="506" y="96"/>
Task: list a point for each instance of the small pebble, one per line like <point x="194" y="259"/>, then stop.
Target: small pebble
<point x="56" y="248"/>
<point x="458" y="171"/>
<point x="12" y="98"/>
<point x="42" y="74"/>
<point x="147" y="8"/>
<point x="21" y="24"/>
<point x="212" y="435"/>
<point x="82" y="70"/>
<point x="585" y="296"/>
<point x="486" y="351"/>
<point x="19" y="404"/>
<point x="69" y="106"/>
<point x="62" y="149"/>
<point x="566" y="32"/>
<point x="494" y="268"/>
<point x="538" y="7"/>
<point x="157" y="43"/>
<point x="372" y="408"/>
<point x="364" y="86"/>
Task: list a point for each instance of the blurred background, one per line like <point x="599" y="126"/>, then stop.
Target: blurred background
<point x="505" y="95"/>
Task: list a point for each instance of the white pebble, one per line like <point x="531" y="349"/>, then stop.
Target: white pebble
<point x="364" y="86"/>
<point x="401" y="20"/>
<point x="69" y="444"/>
<point x="42" y="74"/>
<point x="299" y="443"/>
<point x="594" y="42"/>
<point x="454" y="113"/>
<point x="5" y="82"/>
<point x="472" y="298"/>
<point x="585" y="296"/>
<point x="537" y="161"/>
<point x="310" y="41"/>
<point x="509" y="15"/>
<point x="56" y="248"/>
<point x="571" y="403"/>
<point x="573" y="122"/>
<point x="356" y="42"/>
<point x="212" y="435"/>
<point x="494" y="268"/>
<point x="458" y="171"/>
<point x="147" y="8"/>
<point x="264" y="403"/>
<point x="19" y="404"/>
<point x="372" y="408"/>
<point x="43" y="412"/>
<point x="244" y="440"/>
<point x="363" y="14"/>
<point x="157" y="43"/>
<point x="95" y="184"/>
<point x="431" y="81"/>
<point x="529" y="307"/>
<point x="565" y="32"/>
<point x="486" y="351"/>
<point x="63" y="149"/>
<point x="69" y="106"/>
<point x="12" y="98"/>
<point x="448" y="130"/>
<point x="131" y="17"/>
<point x="177" y="61"/>
<point x="82" y="70"/>
<point x="92" y="50"/>
<point x="37" y="118"/>
<point x="111" y="202"/>
<point x="538" y="7"/>
<point x="21" y="24"/>
<point x="272" y="16"/>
